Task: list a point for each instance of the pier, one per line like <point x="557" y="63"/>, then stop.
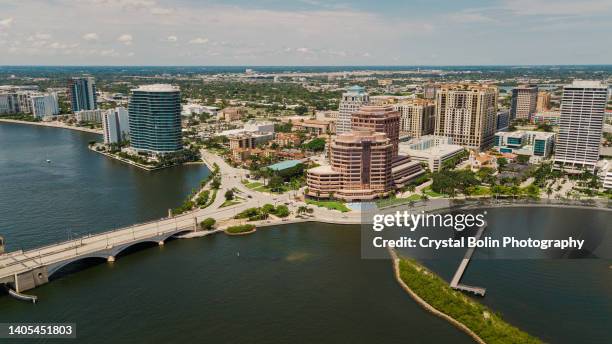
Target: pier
<point x="455" y="282"/>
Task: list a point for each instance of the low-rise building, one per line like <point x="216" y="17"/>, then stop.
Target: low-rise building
<point x="549" y="117"/>
<point x="431" y="150"/>
<point x="231" y="114"/>
<point x="536" y="144"/>
<point x="249" y="140"/>
<point x="605" y="174"/>
<point x="315" y="126"/>
<point x="91" y="116"/>
<point x="482" y="160"/>
<point x="287" y="139"/>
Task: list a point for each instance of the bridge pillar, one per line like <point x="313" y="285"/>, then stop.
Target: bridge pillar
<point x="195" y="224"/>
<point x="110" y="259"/>
<point x="169" y="212"/>
<point x="161" y="243"/>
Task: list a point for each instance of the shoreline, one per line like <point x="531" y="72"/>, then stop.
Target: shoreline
<point x="53" y="125"/>
<point x="431" y="309"/>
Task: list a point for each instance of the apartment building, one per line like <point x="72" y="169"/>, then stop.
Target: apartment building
<point x="524" y="102"/>
<point x="417" y="117"/>
<point x="467" y="114"/>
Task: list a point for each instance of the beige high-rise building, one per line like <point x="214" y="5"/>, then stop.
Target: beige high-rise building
<point x="351" y="101"/>
<point x="417" y="117"/>
<point x="543" y="101"/>
<point x="467" y="114"/>
<point x="524" y="99"/>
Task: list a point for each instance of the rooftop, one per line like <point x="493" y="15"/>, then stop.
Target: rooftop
<point x="283" y="165"/>
<point x="587" y="84"/>
<point x="157" y="88"/>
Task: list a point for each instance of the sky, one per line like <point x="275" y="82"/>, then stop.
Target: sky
<point x="305" y="32"/>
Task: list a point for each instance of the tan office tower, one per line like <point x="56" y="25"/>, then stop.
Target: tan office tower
<point x="543" y="101"/>
<point x="417" y="117"/>
<point x="524" y="101"/>
<point x="467" y="114"/>
<point x="351" y="101"/>
<point x="381" y="119"/>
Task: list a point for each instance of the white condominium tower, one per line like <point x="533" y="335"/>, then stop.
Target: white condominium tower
<point x="351" y="101"/>
<point x="116" y="126"/>
<point x="467" y="114"/>
<point x="583" y="108"/>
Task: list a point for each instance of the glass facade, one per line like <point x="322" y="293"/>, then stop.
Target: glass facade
<point x="155" y="119"/>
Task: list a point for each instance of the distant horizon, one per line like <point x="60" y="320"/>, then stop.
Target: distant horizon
<point x="312" y="65"/>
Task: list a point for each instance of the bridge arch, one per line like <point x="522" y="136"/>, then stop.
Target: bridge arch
<point x="54" y="268"/>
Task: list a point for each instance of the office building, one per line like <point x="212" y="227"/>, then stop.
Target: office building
<point x="417" y="117"/>
<point x="155" y="118"/>
<point x="362" y="167"/>
<point x="535" y="144"/>
<point x="467" y="114"/>
<point x="524" y="101"/>
<point x="583" y="107"/>
<point x="82" y="92"/>
<point x="380" y="119"/>
<point x="502" y="120"/>
<point x="548" y="117"/>
<point x="115" y="124"/>
<point x="351" y="101"/>
<point x="543" y="101"/>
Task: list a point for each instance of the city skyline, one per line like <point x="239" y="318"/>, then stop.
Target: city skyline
<point x="150" y="32"/>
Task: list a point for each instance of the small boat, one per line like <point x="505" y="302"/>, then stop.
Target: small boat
<point x="48" y="161"/>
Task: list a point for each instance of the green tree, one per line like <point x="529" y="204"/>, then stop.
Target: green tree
<point x="229" y="195"/>
<point x="208" y="223"/>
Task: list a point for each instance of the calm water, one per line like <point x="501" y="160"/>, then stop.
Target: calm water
<point x="296" y="283"/>
<point x="80" y="191"/>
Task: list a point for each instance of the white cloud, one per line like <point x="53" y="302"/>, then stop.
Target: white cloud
<point x="172" y="39"/>
<point x="92" y="36"/>
<point x="6" y="23"/>
<point x="39" y="37"/>
<point x="558" y="7"/>
<point x="199" y="40"/>
<point x="470" y="16"/>
<point x="125" y="39"/>
<point x="109" y="52"/>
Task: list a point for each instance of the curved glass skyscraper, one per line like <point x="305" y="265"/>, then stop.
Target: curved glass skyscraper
<point x="155" y="118"/>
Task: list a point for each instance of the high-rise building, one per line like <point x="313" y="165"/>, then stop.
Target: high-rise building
<point x="155" y="118"/>
<point x="44" y="104"/>
<point x="467" y="114"/>
<point x="82" y="91"/>
<point x="351" y="101"/>
<point x="543" y="101"/>
<point x="583" y="108"/>
<point x="417" y="117"/>
<point x="361" y="168"/>
<point x="524" y="101"/>
<point x="30" y="102"/>
<point x="116" y="126"/>
<point x="380" y="119"/>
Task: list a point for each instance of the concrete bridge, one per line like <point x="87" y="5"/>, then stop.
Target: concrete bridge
<point x="22" y="271"/>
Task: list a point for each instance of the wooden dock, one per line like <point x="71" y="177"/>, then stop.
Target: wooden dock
<point x="455" y="282"/>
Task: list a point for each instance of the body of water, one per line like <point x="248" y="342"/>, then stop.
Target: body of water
<point x="300" y="283"/>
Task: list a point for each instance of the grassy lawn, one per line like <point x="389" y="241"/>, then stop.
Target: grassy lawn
<point x="253" y="185"/>
<point x="228" y="203"/>
<point x="334" y="205"/>
<point x="429" y="192"/>
<point x="397" y="201"/>
<point x="487" y="324"/>
<point x="480" y="191"/>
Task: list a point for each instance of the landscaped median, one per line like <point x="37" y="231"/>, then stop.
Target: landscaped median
<point x="240" y="229"/>
<point x="435" y="295"/>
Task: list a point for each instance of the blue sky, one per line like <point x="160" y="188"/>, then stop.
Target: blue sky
<point x="306" y="32"/>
